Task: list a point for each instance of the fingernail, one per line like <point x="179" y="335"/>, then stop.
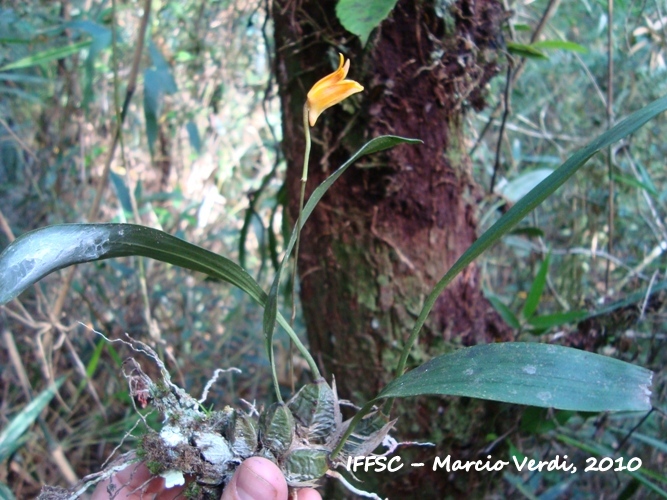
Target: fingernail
<point x="252" y="486"/>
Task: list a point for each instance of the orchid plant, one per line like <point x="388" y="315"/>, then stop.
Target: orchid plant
<point x="306" y="436"/>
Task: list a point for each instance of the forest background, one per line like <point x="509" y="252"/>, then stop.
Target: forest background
<point x="200" y="157"/>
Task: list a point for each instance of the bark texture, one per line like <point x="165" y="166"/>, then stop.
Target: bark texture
<point x="390" y="228"/>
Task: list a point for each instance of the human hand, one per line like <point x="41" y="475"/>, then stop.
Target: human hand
<point x="255" y="479"/>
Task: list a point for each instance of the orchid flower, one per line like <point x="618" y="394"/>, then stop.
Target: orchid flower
<point x="331" y="90"/>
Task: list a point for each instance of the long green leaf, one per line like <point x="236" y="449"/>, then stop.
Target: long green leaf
<point x="10" y="438"/>
<point x="373" y="146"/>
<point x="522" y="208"/>
<point x="504" y="311"/>
<point x="158" y="82"/>
<point x="660" y="446"/>
<point x="38" y="253"/>
<point x="531" y="374"/>
<point x="536" y="289"/>
<point x="92" y="365"/>
<point x="547" y="321"/>
<point x="523" y="50"/>
<point x="47" y="56"/>
<point x="560" y="45"/>
<point x="631" y="181"/>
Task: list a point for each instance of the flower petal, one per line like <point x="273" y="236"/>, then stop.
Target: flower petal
<point x="331" y="90"/>
<point x="333" y="78"/>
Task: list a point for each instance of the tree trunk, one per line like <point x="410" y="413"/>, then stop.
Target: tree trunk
<point x="395" y="222"/>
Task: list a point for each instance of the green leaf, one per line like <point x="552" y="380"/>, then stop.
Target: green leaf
<point x="373" y="146"/>
<point x="363" y="16"/>
<point x="152" y="105"/>
<point x="38" y="253"/>
<point x="536" y="421"/>
<point x="122" y="191"/>
<point x="543" y="375"/>
<point x="10" y="438"/>
<point x="536" y="289"/>
<point x="657" y="444"/>
<point x="641" y="477"/>
<point x="523" y="50"/>
<point x="101" y="39"/>
<point x="504" y="311"/>
<point x="631" y="181"/>
<point x="93" y="363"/>
<point x="631" y="299"/>
<point x="547" y="321"/>
<point x="531" y="232"/>
<point x="540" y="420"/>
<point x="524" y="206"/>
<point x="560" y="45"/>
<point x="646" y="178"/>
<point x="47" y="56"/>
<point x="158" y="81"/>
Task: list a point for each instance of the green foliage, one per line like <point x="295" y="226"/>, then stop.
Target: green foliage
<point x="643" y="476"/>
<point x="536" y="196"/>
<point x="373" y="146"/>
<point x="11" y="435"/>
<point x="504" y="311"/>
<point x="523" y="50"/>
<point x="40" y="252"/>
<point x="361" y="17"/>
<point x="158" y="82"/>
<point x="535" y="50"/>
<point x="206" y="95"/>
<point x="540" y="375"/>
<point x="52" y="154"/>
<point x="559" y="45"/>
<point x="47" y="56"/>
<point x="537" y="324"/>
<point x="101" y="39"/>
<point x="535" y="293"/>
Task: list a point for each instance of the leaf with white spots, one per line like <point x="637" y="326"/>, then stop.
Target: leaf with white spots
<point x="531" y="374"/>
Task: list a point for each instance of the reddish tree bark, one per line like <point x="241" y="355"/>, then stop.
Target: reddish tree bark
<point x="395" y="222"/>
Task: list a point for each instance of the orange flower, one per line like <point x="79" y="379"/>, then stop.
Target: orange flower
<point x="331" y="90"/>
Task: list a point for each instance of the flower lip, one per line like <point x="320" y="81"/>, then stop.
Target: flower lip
<point x="331" y="90"/>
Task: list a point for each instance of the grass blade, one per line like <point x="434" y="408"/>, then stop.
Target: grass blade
<point x="10" y="438"/>
<point x="47" y="56"/>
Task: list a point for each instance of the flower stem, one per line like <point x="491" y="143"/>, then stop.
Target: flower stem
<point x="304" y="178"/>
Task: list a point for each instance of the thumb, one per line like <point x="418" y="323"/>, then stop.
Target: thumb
<point x="256" y="479"/>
